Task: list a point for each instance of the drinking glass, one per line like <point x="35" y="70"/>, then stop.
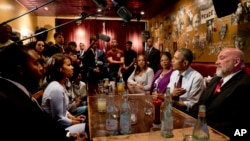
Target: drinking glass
<point x="112" y="84"/>
<point x="100" y="86"/>
<point x="134" y="110"/>
<point x="106" y="82"/>
<point x="148" y="106"/>
<point x="101" y="102"/>
<point x="187" y="130"/>
<point x="120" y="87"/>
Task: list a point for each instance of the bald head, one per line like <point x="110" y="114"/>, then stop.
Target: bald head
<point x="229" y="61"/>
<point x="234" y="53"/>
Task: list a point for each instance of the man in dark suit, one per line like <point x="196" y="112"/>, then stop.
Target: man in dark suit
<point x="153" y="55"/>
<point x="58" y="47"/>
<point x="102" y="63"/>
<point x="21" y="117"/>
<point x="227" y="104"/>
<point x="91" y="70"/>
<point x="80" y="53"/>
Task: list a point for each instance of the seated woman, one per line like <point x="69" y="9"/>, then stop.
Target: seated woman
<point x="141" y="78"/>
<point x="76" y="88"/>
<point x="77" y="94"/>
<point x="55" y="98"/>
<point x="38" y="46"/>
<point x="162" y="76"/>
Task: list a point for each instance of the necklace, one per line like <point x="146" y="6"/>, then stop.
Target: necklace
<point x="164" y="72"/>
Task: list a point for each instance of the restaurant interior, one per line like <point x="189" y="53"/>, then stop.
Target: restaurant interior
<point x="203" y="26"/>
<point x="171" y="23"/>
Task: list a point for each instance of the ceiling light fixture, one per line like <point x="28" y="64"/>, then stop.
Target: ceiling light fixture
<point x="99" y="10"/>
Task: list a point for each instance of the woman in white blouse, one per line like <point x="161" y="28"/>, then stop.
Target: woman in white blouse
<point x="141" y="79"/>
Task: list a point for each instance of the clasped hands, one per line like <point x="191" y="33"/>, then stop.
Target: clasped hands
<point x="77" y="119"/>
<point x="138" y="85"/>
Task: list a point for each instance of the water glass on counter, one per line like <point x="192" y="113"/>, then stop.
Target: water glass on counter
<point x="101" y="102"/>
<point x="187" y="130"/>
<point x="148" y="106"/>
<point x="134" y="111"/>
<point x="100" y="86"/>
<point x="106" y="82"/>
<point x="120" y="87"/>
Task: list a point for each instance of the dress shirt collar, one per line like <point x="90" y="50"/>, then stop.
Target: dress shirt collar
<point x="227" y="78"/>
<point x="149" y="49"/>
<point x="185" y="72"/>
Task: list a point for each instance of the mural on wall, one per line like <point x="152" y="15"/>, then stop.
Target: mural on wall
<point x="222" y="31"/>
<point x="246" y="7"/>
<point x="210" y="31"/>
<point x="195" y="26"/>
<point x="189" y="20"/>
<point x="239" y="42"/>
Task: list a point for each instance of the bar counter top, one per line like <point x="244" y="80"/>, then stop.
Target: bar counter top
<point x="140" y="131"/>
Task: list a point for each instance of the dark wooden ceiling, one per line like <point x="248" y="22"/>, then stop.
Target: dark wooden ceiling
<point x="69" y="8"/>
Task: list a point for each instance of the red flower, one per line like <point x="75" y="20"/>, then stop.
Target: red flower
<point x="157" y="101"/>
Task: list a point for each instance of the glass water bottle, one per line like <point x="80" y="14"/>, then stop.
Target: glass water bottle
<point x="201" y="132"/>
<point x="167" y="116"/>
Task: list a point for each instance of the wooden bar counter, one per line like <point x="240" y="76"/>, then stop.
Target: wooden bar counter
<point x="140" y="131"/>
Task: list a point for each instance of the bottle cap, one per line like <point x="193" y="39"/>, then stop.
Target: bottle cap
<point x="202" y="108"/>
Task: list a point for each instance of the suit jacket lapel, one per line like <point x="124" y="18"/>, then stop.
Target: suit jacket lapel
<point x="209" y="91"/>
<point x="233" y="81"/>
<point x="16" y="94"/>
<point x="226" y="91"/>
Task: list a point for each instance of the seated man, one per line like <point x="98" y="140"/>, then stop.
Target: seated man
<point x="186" y="84"/>
<point x="226" y="104"/>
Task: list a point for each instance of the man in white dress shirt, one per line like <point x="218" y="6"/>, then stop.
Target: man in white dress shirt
<point x="192" y="85"/>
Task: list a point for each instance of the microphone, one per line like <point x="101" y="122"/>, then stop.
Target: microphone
<point x="103" y="37"/>
<point x="101" y="3"/>
<point x="124" y="14"/>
